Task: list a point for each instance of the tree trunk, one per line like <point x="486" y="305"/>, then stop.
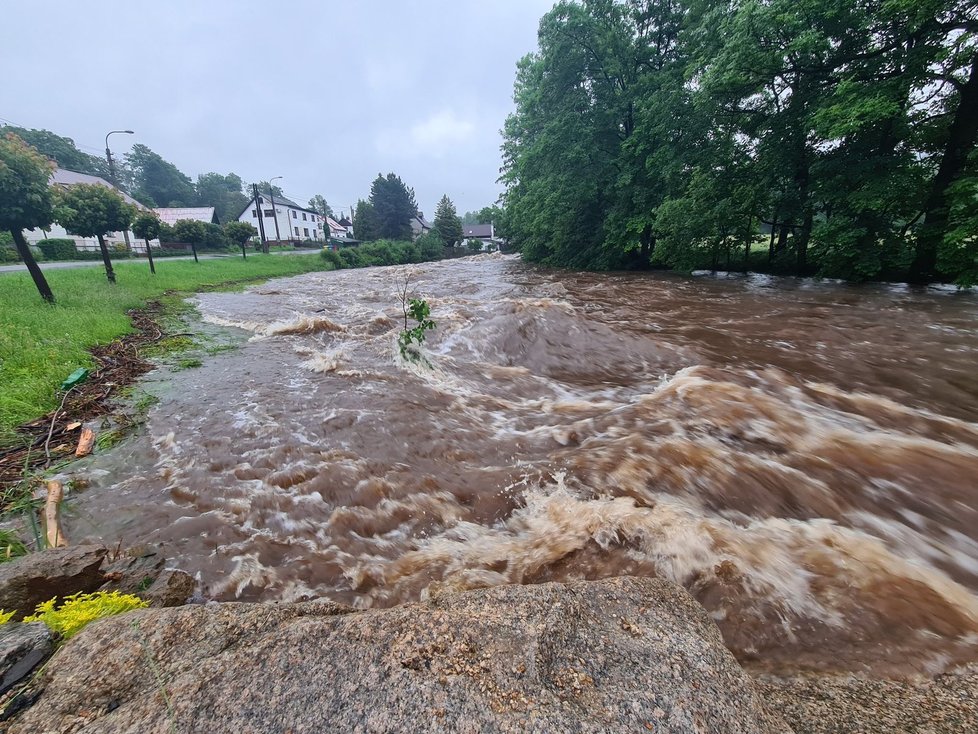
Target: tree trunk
<point x="28" y="257"/>
<point x="648" y="245"/>
<point x="961" y="139"/>
<point x="193" y="247"/>
<point x="109" y="272"/>
<point x="748" y="241"/>
<point x="782" y="243"/>
<point x="149" y="256"/>
<point x="244" y="246"/>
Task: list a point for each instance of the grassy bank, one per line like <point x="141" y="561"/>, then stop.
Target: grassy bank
<point x="41" y="345"/>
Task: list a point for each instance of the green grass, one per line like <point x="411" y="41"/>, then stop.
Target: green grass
<point x="40" y="345"/>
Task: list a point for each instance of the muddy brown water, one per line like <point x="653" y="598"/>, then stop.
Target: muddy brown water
<point x="801" y="456"/>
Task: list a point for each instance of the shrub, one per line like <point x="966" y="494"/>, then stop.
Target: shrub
<point x="58" y="249"/>
<point x="430" y="246"/>
<point x="333" y="258"/>
<point x="78" y="610"/>
<point x="8" y="254"/>
<point x="351" y="257"/>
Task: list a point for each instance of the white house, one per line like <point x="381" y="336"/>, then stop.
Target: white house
<point x="287" y="222"/>
<point x="486" y="233"/>
<point x="114" y="240"/>
<point x="419" y="226"/>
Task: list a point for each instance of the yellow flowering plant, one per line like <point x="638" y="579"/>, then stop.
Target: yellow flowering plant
<point x="78" y="610"/>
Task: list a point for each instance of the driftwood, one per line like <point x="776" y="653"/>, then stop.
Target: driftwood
<point x="52" y="516"/>
<point x="85" y="442"/>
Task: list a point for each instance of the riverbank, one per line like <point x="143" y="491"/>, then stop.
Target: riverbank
<point x="41" y="345"/>
<point x="110" y="330"/>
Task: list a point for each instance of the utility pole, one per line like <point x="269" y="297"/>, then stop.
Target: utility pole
<point x="115" y="181"/>
<point x="271" y="194"/>
<point x="261" y="219"/>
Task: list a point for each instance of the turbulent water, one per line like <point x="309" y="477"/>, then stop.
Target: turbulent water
<point x="801" y="456"/>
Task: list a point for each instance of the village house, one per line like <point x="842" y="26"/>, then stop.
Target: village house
<point x="486" y="233"/>
<point x="287" y="222"/>
<point x="113" y="240"/>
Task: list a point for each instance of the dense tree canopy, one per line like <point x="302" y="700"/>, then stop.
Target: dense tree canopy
<point x="394" y="205"/>
<point x="154" y="181"/>
<point x="365" y="225"/>
<point x="808" y="136"/>
<point x="61" y="150"/>
<point x="448" y="225"/>
<point x="224" y="193"/>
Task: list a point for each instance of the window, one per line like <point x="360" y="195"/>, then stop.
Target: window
<point x="269" y="213"/>
<point x="254" y="213"/>
<point x="306" y="230"/>
<point x="303" y="216"/>
<point x="296" y="231"/>
<point x="293" y="214"/>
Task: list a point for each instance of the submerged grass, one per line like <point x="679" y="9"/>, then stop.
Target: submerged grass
<point x="40" y="345"/>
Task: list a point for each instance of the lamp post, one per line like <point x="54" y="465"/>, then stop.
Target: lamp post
<point x="115" y="181"/>
<point x="271" y="195"/>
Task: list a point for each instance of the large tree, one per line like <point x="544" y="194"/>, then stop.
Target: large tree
<point x="155" y="181"/>
<point x="447" y="223"/>
<point x="94" y="210"/>
<point x="365" y="225"/>
<point x="223" y="192"/>
<point x="25" y="200"/>
<point x="319" y="204"/>
<point x="394" y="205"/>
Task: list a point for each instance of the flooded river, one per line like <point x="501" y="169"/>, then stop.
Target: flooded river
<point x="801" y="456"/>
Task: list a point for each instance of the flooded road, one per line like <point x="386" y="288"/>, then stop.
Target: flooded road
<point x="801" y="456"/>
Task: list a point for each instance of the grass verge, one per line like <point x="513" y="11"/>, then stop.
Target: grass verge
<point x="41" y="345"/>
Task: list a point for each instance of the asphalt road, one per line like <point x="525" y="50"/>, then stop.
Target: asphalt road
<point x="20" y="267"/>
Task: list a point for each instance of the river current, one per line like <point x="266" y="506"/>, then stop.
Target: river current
<point x="801" y="456"/>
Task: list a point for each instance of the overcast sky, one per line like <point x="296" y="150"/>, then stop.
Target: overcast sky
<point x="326" y="94"/>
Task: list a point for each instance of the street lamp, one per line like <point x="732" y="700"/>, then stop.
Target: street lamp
<point x="271" y="194"/>
<point x="115" y="181"/>
<point x="108" y="153"/>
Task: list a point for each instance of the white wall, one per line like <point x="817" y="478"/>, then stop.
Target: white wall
<point x="56" y="231"/>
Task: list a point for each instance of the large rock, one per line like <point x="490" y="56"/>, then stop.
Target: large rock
<point x="23" y="647"/>
<point x="619" y="655"/>
<point x="29" y="580"/>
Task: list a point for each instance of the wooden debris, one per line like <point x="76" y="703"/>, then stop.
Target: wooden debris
<point x="85" y="442"/>
<point x="73" y="426"/>
<point x="52" y="516"/>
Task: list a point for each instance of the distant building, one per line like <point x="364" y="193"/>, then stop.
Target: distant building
<point x="113" y="240"/>
<point x="419" y="226"/>
<point x="287" y="222"/>
<point x="484" y="232"/>
<point x="171" y="215"/>
<point x="346" y="224"/>
<point x="337" y="230"/>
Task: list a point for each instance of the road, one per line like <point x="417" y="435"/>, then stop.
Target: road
<point x="20" y="267"/>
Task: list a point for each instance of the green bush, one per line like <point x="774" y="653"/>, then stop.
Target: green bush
<point x="59" y="249"/>
<point x="333" y="258"/>
<point x="351" y="258"/>
<point x="8" y="254"/>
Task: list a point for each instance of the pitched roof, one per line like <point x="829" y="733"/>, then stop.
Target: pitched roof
<point x="64" y="177"/>
<point x="171" y="215"/>
<point x="477" y="231"/>
<point x="333" y="224"/>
